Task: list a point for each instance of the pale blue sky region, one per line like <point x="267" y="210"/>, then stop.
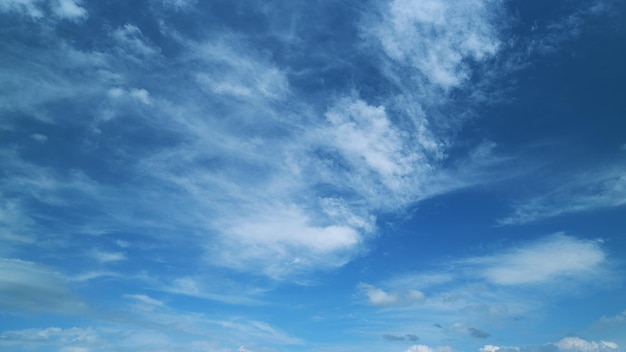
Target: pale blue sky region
<point x="403" y="175"/>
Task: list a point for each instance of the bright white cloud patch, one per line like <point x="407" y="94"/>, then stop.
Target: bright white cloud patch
<point x="554" y="257"/>
<point x="282" y="239"/>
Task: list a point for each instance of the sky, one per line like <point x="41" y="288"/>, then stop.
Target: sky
<point x="347" y="175"/>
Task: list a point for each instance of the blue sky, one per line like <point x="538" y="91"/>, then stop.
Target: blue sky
<point x="402" y="175"/>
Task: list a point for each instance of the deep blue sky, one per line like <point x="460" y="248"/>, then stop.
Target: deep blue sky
<point x="403" y="175"/>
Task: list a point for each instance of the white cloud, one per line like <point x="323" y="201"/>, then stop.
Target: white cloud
<point x="26" y="7"/>
<point x="424" y="348"/>
<point x="282" y="239"/>
<point x="139" y="94"/>
<point x="579" y="345"/>
<point x="555" y="257"/>
<point x="71" y="339"/>
<point x="381" y="298"/>
<point x="436" y="37"/>
<point x="207" y="289"/>
<point x="179" y="4"/>
<point x="106" y="257"/>
<point x="146" y="300"/>
<point x="365" y="135"/>
<point x="63" y="9"/>
<point x="370" y="157"/>
<point x="29" y="287"/>
<point x="472" y="297"/>
<point x="567" y="344"/>
<point x="232" y="72"/>
<point x="493" y="348"/>
<point x="69" y="9"/>
<point x="133" y="44"/>
<point x="41" y="138"/>
<point x="15" y="226"/>
<point x="617" y="319"/>
<point x="257" y="158"/>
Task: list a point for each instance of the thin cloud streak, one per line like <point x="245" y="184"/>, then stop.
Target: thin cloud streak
<point x="584" y="192"/>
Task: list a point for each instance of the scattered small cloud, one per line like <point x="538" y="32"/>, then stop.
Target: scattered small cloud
<point x="41" y="138"/>
<point x="425" y="348"/>
<point x="380" y="298"/>
<point x="107" y="257"/>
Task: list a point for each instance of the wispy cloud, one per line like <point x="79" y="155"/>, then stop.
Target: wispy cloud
<point x="436" y="38"/>
<point x="583" y="192"/>
<point x="553" y="258"/>
<point x="406" y="337"/>
<point x="30" y="287"/>
<point x="266" y="182"/>
<point x="37" y="9"/>
<point x="194" y="147"/>
<point x="572" y="344"/>
<point x="105" y="257"/>
<point x="425" y="348"/>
